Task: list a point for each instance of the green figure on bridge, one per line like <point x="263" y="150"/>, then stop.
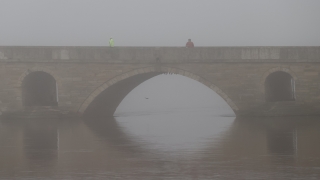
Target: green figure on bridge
<point x="111" y="42"/>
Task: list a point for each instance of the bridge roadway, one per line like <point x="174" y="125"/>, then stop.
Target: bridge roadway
<point x="254" y="81"/>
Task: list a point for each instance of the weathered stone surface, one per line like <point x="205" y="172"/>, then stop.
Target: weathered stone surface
<point x="237" y="74"/>
<point x="164" y="54"/>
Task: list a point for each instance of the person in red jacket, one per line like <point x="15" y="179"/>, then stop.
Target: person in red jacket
<point x="189" y="44"/>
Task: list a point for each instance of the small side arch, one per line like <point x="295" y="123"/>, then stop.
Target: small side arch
<point x="278" y="84"/>
<point x="35" y="69"/>
<point x="272" y="70"/>
<point x="156" y="71"/>
<point x="38" y="87"/>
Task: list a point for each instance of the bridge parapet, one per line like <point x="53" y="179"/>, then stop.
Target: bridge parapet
<point x="156" y="54"/>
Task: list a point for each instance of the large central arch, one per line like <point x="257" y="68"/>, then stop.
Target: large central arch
<point x="105" y="99"/>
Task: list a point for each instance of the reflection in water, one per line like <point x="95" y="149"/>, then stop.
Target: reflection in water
<point x="282" y="141"/>
<point x="40" y="141"/>
<point x="163" y="146"/>
<point x="112" y="134"/>
<point x="174" y="133"/>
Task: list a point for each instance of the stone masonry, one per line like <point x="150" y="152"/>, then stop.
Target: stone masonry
<point x="237" y="74"/>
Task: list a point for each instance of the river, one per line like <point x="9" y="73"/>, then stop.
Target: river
<point x="174" y="145"/>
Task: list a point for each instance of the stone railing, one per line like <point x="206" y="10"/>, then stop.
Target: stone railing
<point x="158" y="54"/>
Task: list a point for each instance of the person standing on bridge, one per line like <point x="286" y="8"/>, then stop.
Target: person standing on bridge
<point x="111" y="42"/>
<point x="189" y="44"/>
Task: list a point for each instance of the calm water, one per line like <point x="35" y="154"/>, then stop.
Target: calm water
<point x="177" y="144"/>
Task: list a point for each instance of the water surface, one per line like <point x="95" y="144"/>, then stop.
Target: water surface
<point x="179" y="144"/>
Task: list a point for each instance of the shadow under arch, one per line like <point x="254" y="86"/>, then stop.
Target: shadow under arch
<point x="273" y="70"/>
<point x="104" y="101"/>
<point x="279" y="86"/>
<point x="39" y="88"/>
<point x="36" y="69"/>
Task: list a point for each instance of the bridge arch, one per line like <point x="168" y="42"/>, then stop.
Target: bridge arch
<point x="39" y="88"/>
<point x="22" y="77"/>
<point x="35" y="69"/>
<point x="138" y="76"/>
<point x="287" y="77"/>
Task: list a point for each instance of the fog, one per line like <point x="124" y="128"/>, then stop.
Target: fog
<point x="160" y="23"/>
<point x="167" y="94"/>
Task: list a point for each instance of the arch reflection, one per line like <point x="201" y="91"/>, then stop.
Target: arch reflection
<point x="104" y="148"/>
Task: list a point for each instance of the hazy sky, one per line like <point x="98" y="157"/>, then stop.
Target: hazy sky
<point x="160" y="22"/>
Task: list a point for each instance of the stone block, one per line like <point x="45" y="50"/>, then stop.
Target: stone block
<point x="250" y="53"/>
<point x="2" y="56"/>
<point x="298" y="53"/>
<point x="264" y="53"/>
<point x="313" y="53"/>
<point x="274" y="53"/>
<point x="311" y="73"/>
<point x="232" y="53"/>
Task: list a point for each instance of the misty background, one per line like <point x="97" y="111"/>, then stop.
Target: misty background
<point x="169" y="94"/>
<point x="161" y="23"/>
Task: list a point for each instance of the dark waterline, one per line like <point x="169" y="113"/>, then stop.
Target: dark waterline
<point x="177" y="145"/>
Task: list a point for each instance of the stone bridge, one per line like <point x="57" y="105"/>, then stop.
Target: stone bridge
<point x="254" y="81"/>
